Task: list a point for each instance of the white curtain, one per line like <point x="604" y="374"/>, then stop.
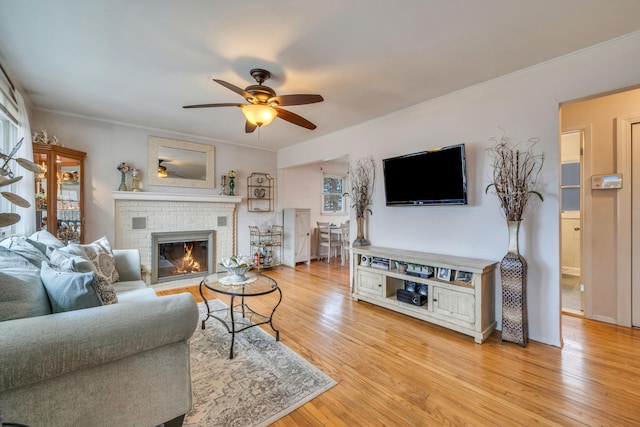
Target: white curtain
<point x="25" y="187"/>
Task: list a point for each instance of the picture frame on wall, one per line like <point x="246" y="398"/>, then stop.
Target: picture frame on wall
<point x="445" y="274"/>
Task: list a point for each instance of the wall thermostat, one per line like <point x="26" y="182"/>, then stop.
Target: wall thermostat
<point x="606" y="182"/>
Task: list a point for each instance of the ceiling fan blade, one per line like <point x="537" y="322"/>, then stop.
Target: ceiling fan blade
<point x="300" y="99"/>
<point x="249" y="127"/>
<point x="237" y="90"/>
<point x="224" y="104"/>
<point x="294" y="118"/>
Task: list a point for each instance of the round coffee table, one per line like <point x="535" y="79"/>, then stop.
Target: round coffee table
<point x="238" y="317"/>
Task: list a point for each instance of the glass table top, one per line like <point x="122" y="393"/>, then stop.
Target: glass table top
<point x="255" y="284"/>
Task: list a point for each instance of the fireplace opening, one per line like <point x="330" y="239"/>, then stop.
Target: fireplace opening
<point x="180" y="255"/>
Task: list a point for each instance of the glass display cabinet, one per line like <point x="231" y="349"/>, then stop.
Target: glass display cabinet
<point x="60" y="192"/>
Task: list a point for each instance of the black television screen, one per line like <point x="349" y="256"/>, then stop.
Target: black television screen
<point x="433" y="177"/>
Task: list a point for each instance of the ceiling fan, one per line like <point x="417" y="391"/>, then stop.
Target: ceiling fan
<point x="263" y="103"/>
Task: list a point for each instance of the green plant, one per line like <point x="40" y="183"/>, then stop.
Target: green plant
<point x="362" y="177"/>
<point x="516" y="168"/>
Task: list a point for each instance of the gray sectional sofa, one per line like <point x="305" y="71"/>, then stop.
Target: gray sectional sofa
<point x="122" y="364"/>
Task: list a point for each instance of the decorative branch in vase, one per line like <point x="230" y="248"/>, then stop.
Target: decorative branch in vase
<point x="362" y="178"/>
<point x="516" y="168"/>
<point x="7" y="177"/>
<point x="515" y="174"/>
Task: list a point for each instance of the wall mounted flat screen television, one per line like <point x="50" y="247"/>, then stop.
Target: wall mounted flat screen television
<point x="433" y="177"/>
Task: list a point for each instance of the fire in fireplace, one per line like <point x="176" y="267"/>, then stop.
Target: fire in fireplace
<point x="178" y="255"/>
<point x="189" y="262"/>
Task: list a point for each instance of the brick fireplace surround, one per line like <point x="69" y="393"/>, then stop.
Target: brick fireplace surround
<point x="138" y="214"/>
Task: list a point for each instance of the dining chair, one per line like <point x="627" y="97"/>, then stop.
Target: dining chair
<point x="327" y="239"/>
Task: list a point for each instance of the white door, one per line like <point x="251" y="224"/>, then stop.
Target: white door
<point x="635" y="218"/>
<point x="571" y="144"/>
<point x="303" y="236"/>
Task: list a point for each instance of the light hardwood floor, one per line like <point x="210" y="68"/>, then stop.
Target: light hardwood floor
<point x="397" y="371"/>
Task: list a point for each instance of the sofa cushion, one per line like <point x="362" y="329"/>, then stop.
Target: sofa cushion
<point x="47" y="239"/>
<point x="129" y="285"/>
<point x="21" y="291"/>
<point x="30" y="250"/>
<point x="69" y="290"/>
<point x="135" y="295"/>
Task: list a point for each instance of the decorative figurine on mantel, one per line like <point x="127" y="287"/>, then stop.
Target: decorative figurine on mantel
<point x="124" y="168"/>
<point x="232" y="184"/>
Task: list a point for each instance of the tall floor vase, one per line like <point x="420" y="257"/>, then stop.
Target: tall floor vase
<point x="513" y="272"/>
<point x="360" y="240"/>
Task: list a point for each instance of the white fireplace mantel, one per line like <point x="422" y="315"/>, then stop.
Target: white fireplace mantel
<point x="140" y="214"/>
<point x="174" y="197"/>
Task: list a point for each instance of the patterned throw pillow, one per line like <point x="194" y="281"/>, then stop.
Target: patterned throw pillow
<point x="105" y="290"/>
<point x="99" y="253"/>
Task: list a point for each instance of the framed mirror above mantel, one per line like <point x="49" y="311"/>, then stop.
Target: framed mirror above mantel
<point x="180" y="164"/>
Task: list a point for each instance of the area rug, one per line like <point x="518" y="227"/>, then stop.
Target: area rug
<point x="262" y="383"/>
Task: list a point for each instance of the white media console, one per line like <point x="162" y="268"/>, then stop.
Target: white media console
<point x="457" y="292"/>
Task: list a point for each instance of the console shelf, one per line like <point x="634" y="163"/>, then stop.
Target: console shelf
<point x="459" y="291"/>
<point x="265" y="247"/>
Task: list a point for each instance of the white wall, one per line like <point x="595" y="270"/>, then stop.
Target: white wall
<point x="108" y="144"/>
<point x="525" y="104"/>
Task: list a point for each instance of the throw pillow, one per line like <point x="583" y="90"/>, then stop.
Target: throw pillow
<point x="25" y="248"/>
<point x="21" y="291"/>
<point x="69" y="290"/>
<point x="72" y="257"/>
<point x="105" y="290"/>
<point x="47" y="239"/>
<point x="100" y="254"/>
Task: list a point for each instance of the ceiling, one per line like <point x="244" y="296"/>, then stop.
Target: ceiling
<point x="140" y="61"/>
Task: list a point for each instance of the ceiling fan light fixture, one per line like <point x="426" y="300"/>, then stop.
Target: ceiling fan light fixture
<point x="259" y="115"/>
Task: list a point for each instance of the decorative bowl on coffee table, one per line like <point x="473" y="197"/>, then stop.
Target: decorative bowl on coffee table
<point x="237" y="267"/>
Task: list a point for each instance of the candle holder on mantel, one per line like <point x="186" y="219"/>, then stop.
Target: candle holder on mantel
<point x="136" y="180"/>
<point x="223" y="184"/>
<point x="232" y="184"/>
